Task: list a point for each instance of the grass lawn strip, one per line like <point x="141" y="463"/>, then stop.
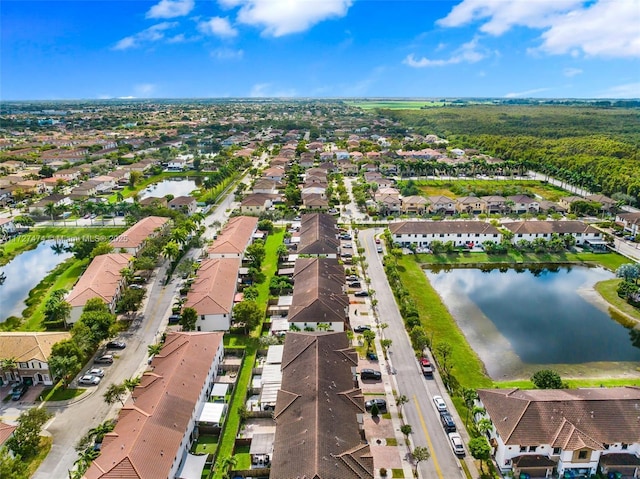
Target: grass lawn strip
<point x="534" y="187"/>
<point x="608" y="290"/>
<point x="228" y="438"/>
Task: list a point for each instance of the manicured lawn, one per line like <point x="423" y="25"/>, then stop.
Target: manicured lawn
<point x="43" y="450"/>
<point x="440" y="325"/>
<point x="397" y="473"/>
<point x="269" y="266"/>
<point x="205" y="445"/>
<point x="611" y="261"/>
<point x="608" y="290"/>
<point x="60" y="394"/>
<point x="574" y="383"/>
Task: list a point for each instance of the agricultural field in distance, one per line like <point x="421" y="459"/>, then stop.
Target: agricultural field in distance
<point x="393" y="104"/>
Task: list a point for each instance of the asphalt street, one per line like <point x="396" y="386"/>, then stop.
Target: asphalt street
<point x="420" y="411"/>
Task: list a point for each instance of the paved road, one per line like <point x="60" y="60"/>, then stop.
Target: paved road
<point x="420" y="412"/>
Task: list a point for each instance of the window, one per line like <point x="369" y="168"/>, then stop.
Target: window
<point x="532" y="448"/>
<point x="582" y="454"/>
<point x="625" y="446"/>
<point x="523" y="448"/>
<point x="606" y="446"/>
<point x="556" y="450"/>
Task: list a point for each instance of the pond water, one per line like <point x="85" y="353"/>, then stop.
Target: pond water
<point x="24" y="272"/>
<point x="517" y="319"/>
<point x="175" y="187"/>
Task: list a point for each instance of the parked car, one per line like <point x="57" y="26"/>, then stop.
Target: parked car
<point x="370" y="374"/>
<point x="353" y="277"/>
<point x="371" y="356"/>
<point x="362" y="328"/>
<point x="174" y="319"/>
<point x="347" y="246"/>
<point x="440" y="404"/>
<point x="116" y="345"/>
<point x="345" y="236"/>
<point x="361" y="293"/>
<point x="379" y="249"/>
<point x="354" y="284"/>
<point x="104" y="359"/>
<point x="346" y="255"/>
<point x="381" y="403"/>
<point x="456" y="443"/>
<point x="18" y="391"/>
<point x="99" y="372"/>
<point x="427" y="368"/>
<point x="447" y="422"/>
<point x="135" y="286"/>
<point x="89" y="380"/>
<point x="377" y="240"/>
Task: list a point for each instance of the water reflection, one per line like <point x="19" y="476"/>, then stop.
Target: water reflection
<point x="544" y="315"/>
<point x="24" y="272"/>
<point x="180" y="187"/>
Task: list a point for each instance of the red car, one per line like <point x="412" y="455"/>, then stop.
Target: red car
<point x="426" y="367"/>
<point x="377" y="240"/>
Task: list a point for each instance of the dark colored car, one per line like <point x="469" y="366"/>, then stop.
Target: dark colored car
<point x="18" y="391"/>
<point x="370" y="374"/>
<point x="372" y="356"/>
<point x="447" y="422"/>
<point x="362" y="329"/>
<point x="381" y="403"/>
<point x="105" y="359"/>
<point x="174" y="319"/>
<point x="361" y="293"/>
<point x="116" y="345"/>
<point x="355" y="284"/>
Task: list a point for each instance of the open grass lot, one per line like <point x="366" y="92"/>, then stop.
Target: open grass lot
<point x="57" y="393"/>
<point x="394" y="104"/>
<point x="457" y="188"/>
<point x="608" y="290"/>
<point x="610" y="261"/>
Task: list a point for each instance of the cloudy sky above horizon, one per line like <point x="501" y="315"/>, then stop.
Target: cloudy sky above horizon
<point x="96" y="49"/>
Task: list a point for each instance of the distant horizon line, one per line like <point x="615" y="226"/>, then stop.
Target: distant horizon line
<point x="345" y="98"/>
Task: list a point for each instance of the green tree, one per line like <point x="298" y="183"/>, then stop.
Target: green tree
<point x="375" y="411"/>
<point x="12" y="466"/>
<point x="97" y="317"/>
<point x="154" y="349"/>
<point x="420" y="454"/>
<point x="26" y="438"/>
<point x="369" y="336"/>
<point x="131" y="383"/>
<point x="82" y="248"/>
<point x="101" y="248"/>
<point x="419" y="338"/>
<point x="406" y="429"/>
<point x="480" y="450"/>
<point x="256" y="253"/>
<point x="250" y="293"/>
<point x="469" y="396"/>
<point x="134" y="176"/>
<point x="265" y="225"/>
<point x="629" y="272"/>
<point x="64" y="367"/>
<point x="171" y="250"/>
<point x="9" y="364"/>
<point x="248" y="313"/>
<point x="547" y="379"/>
<point x="188" y="319"/>
<point x="56" y="309"/>
<point x="115" y="393"/>
<point x="131" y="300"/>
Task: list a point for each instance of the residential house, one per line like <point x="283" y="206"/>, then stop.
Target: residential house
<point x="274" y="173"/>
<point x="319" y="411"/>
<point x="265" y="186"/>
<point x="315" y="202"/>
<point x="212" y="294"/>
<point x="158" y="202"/>
<point x="414" y="204"/>
<point x="341" y="155"/>
<point x="523" y="204"/>
<point x="102" y="279"/>
<point x="471" y="205"/>
<point x="388" y="203"/>
<point x="31" y="352"/>
<point x="318" y="295"/>
<point x="530" y="230"/>
<point x="234" y="238"/>
<point x="6" y="431"/>
<point x="104" y="183"/>
<point x="256" y="204"/>
<point x="58" y="201"/>
<point x="185" y="204"/>
<point x="608" y="205"/>
<point x="32" y="187"/>
<point x="569" y="432"/>
<point x="629" y="221"/>
<point x="318" y="235"/>
<point x="134" y="239"/>
<point x="496" y="205"/>
<point x="7" y="226"/>
<point x="177" y="164"/>
<point x="441" y="205"/>
<point x="566" y="201"/>
<point x="156" y="429"/>
<point x="461" y="233"/>
<point x="307" y="159"/>
<point x="551" y="207"/>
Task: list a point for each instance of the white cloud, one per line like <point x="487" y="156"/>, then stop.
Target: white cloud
<point x="266" y="90"/>
<point x="218" y="26"/>
<point x="171" y="9"/>
<point x="179" y="38"/>
<point x="469" y="52"/>
<point x="144" y="89"/>
<point x="283" y="17"/>
<point x="607" y="28"/>
<point x="151" y="34"/>
<point x="628" y="90"/>
<point x="227" y="54"/>
<point x="571" y="72"/>
<point x="527" y="93"/>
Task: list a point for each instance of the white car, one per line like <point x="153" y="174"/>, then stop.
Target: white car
<point x="456" y="443"/>
<point x="89" y="380"/>
<point x="440" y="404"/>
<point x="96" y="372"/>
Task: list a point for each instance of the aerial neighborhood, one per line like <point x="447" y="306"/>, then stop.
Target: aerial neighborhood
<point x="311" y="289"/>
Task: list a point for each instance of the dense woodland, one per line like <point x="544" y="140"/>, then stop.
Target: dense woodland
<point x="595" y="148"/>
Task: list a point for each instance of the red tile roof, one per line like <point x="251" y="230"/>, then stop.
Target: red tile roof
<point x="235" y="236"/>
<point x="101" y="279"/>
<point x="138" y="233"/>
<point x="215" y="287"/>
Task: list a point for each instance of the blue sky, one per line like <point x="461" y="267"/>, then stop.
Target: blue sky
<point x="95" y="49"/>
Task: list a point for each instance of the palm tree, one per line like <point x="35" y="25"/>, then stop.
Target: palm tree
<point x="98" y="432"/>
<point x="484" y="425"/>
<point x="131" y="384"/>
<point x="226" y="464"/>
<point x="50" y="209"/>
<point x="154" y="349"/>
<point x="171" y="250"/>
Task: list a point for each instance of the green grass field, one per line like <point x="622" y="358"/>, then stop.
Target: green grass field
<point x="608" y="290"/>
<point x="494" y="187"/>
<point x="394" y="104"/>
